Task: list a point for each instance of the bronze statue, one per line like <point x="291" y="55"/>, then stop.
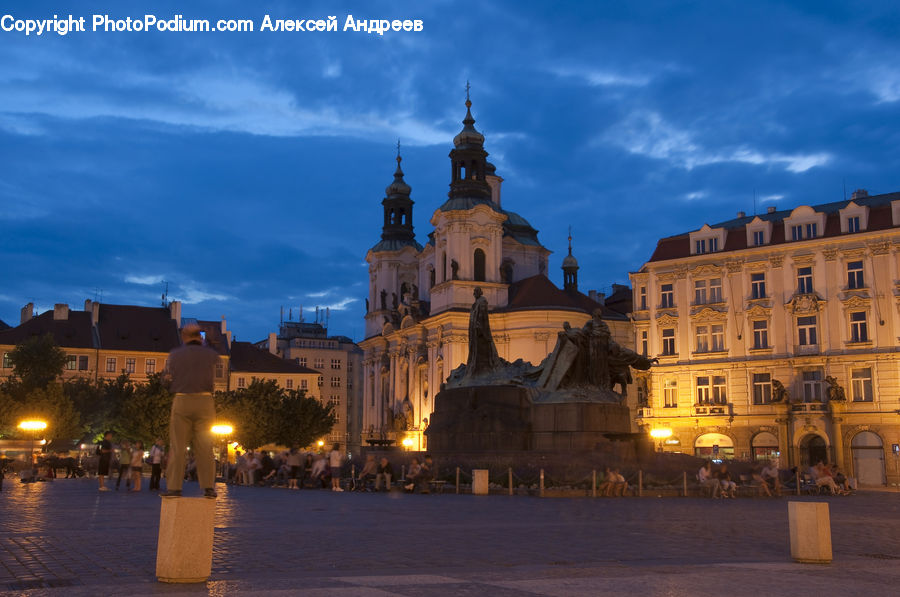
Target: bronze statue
<point x="483" y="356"/>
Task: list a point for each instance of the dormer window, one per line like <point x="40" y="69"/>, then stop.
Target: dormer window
<point x="853" y="224"/>
<point x="758" y="238"/>
<point x="707" y="240"/>
<point x="804" y="223"/>
<point x="802" y="231"/>
<point x="759" y="232"/>
<point x="707" y="245"/>
<point x="854" y="218"/>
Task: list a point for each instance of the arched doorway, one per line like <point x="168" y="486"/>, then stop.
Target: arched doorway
<point x="868" y="458"/>
<point x="813" y="449"/>
<point x="714" y="446"/>
<point x="764" y="447"/>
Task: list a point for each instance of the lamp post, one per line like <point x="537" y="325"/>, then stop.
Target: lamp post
<point x="408" y="443"/>
<point x="33" y="426"/>
<point x="660" y="433"/>
<point x="223" y="430"/>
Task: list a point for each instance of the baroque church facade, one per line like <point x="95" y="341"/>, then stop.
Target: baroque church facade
<point x="419" y="299"/>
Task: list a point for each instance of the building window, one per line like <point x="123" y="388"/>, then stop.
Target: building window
<point x="812" y="386"/>
<point x="761" y="334"/>
<point x="700" y="292"/>
<point x="811" y="230"/>
<point x="861" y="384"/>
<point x="111" y="365"/>
<point x="643" y="295"/>
<point x="859" y="331"/>
<point x="240" y="383"/>
<point x="302" y="361"/>
<point x="335" y="382"/>
<point x="670" y="393"/>
<point x="702" y="338"/>
<point x="855" y="275"/>
<point x="319" y="363"/>
<point x="335" y="400"/>
<point x="304" y="384"/>
<point x="220" y="370"/>
<point x="806" y="331"/>
<point x="708" y="243"/>
<point x="715" y="290"/>
<point x="853" y="224"/>
<point x="335" y="363"/>
<point x="666" y="296"/>
<point x="757" y="286"/>
<point x="289" y="384"/>
<point x="796" y="232"/>
<point x="130" y="365"/>
<point x="71" y="362"/>
<point x="762" y="388"/>
<point x="479" y="260"/>
<point x="337" y="419"/>
<point x="150" y="366"/>
<point x="321" y="381"/>
<point x="804" y="280"/>
<point x="717" y="337"/>
<point x="711" y="338"/>
<point x="668" y="341"/>
<point x="703" y="390"/>
<point x="82" y="363"/>
<point x="644" y="342"/>
<point x="719" y="395"/>
<point x="7" y="362"/>
<point x="759" y="238"/>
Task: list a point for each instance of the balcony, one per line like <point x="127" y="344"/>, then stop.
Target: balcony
<point x="809" y="407"/>
<point x="805" y="349"/>
<point x="711" y="410"/>
<point x="645" y="412"/>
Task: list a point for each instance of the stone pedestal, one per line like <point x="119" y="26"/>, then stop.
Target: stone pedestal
<point x="480" y="482"/>
<point x="184" y="548"/>
<point x="810" y="526"/>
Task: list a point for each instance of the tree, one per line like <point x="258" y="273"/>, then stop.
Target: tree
<point x="89" y="399"/>
<point x="50" y="404"/>
<point x="145" y="415"/>
<point x="263" y="413"/>
<point x="37" y="361"/>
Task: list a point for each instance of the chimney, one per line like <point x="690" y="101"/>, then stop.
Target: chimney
<point x="175" y="312"/>
<point x="742" y="214"/>
<point x="592" y="294"/>
<point x="26" y="313"/>
<point x="87" y="305"/>
<point x="60" y="312"/>
<point x="95" y="314"/>
<point x="601" y="298"/>
<point x="859" y="194"/>
<point x="224" y="327"/>
<point x="770" y="209"/>
<point x="273" y="345"/>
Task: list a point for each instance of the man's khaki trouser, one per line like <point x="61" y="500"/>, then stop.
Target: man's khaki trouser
<point x="193" y="416"/>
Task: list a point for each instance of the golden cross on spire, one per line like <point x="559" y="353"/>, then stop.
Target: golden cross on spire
<point x="570" y="240"/>
<point x="467" y="89"/>
<point x="398" y="148"/>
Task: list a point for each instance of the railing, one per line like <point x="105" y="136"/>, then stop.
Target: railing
<point x="705" y="410"/>
<point x="809" y="407"/>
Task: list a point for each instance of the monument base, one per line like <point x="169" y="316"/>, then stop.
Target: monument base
<point x="185" y="544"/>
<point x="506" y="417"/>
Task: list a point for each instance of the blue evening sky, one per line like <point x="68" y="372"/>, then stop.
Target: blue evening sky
<point x="247" y="170"/>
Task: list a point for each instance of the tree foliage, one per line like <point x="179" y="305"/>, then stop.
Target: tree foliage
<point x="264" y="412"/>
<point x="145" y="414"/>
<point x="37" y="362"/>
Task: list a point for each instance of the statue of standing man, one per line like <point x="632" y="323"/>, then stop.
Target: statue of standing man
<point x="483" y="356"/>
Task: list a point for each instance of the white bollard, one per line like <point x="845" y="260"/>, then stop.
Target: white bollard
<point x="185" y="544"/>
<point x="810" y="527"/>
<point x="480" y="482"/>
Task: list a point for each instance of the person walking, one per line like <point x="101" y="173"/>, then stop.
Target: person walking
<point x="335" y="459"/>
<point x="3" y="464"/>
<point x="192" y="368"/>
<point x="124" y="465"/>
<point x="104" y="451"/>
<point x="157" y="451"/>
<point x="137" y="465"/>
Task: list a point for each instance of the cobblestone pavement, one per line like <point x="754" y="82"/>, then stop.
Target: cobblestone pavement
<point x="66" y="538"/>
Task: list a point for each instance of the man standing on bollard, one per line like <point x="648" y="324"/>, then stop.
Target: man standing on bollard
<point x="192" y="369"/>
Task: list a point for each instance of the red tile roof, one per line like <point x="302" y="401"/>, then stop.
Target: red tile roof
<point x="74" y="332"/>
<point x="538" y="292"/>
<point x="247" y="358"/>
<point x="145" y="329"/>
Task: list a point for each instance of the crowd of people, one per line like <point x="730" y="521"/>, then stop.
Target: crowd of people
<point x="767" y="479"/>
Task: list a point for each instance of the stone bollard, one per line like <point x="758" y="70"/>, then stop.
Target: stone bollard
<point x="640" y="483"/>
<point x="510" y="482"/>
<point x="810" y="528"/>
<point x="185" y="544"/>
<point x="457" y="479"/>
<point x="480" y="482"/>
<point x="594" y="483"/>
<point x="542" y="483"/>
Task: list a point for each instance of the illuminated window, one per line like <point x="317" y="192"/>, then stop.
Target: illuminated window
<point x="150" y="366"/>
<point x="670" y="393"/>
<point x="111" y="365"/>
<point x="861" y="384"/>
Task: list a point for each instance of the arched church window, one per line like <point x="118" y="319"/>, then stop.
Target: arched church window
<point x="454" y="267"/>
<point x="431" y="277"/>
<point x="479" y="265"/>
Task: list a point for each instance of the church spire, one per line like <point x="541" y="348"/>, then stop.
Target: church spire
<point x="398" y="210"/>
<point x="570" y="268"/>
<point x="469" y="161"/>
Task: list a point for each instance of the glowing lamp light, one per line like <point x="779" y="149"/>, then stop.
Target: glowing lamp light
<point x="43" y="442"/>
<point x="320" y="443"/>
<point x="222" y="429"/>
<point x="660" y="433"/>
<point x="408" y="442"/>
<point x="32" y="425"/>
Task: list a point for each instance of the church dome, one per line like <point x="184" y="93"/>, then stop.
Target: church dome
<point x="399" y="186"/>
<point x="468" y="135"/>
<point x="569" y="261"/>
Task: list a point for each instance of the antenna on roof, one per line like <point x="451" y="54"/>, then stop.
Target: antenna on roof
<point x="327" y="316"/>
<point x="281" y="317"/>
<point x="754" y="201"/>
<point x="844" y="183"/>
<point x="165" y="295"/>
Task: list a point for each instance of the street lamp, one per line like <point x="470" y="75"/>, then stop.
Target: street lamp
<point x="33" y="426"/>
<point x="661" y="433"/>
<point x="223" y="430"/>
<point x="408" y="443"/>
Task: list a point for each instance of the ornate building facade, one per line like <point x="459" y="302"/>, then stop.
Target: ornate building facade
<point x="777" y="336"/>
<point x="417" y="313"/>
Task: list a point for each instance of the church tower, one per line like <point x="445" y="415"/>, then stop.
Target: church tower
<point x="398" y="210"/>
<point x="570" y="269"/>
<point x="468" y="159"/>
